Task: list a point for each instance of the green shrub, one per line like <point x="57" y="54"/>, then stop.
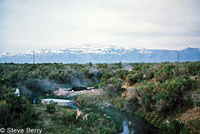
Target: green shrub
<point x="167" y="96"/>
<point x="16" y="111"/>
<point x="69" y="117"/>
<point x="192" y="127"/>
<point x="95" y="123"/>
<point x="114" y="88"/>
<point x="149" y="74"/>
<point x="51" y="108"/>
<point x="134" y="77"/>
<point x="121" y="73"/>
<point x="5" y="111"/>
<point x="119" y="103"/>
<point x="173" y="127"/>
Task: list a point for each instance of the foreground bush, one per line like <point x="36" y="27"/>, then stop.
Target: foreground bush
<point x="167" y="96"/>
<point x="15" y="111"/>
<point x="51" y="108"/>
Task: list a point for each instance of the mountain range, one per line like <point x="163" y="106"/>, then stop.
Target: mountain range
<point x="86" y="54"/>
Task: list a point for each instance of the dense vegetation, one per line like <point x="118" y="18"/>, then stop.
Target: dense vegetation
<point x="63" y="120"/>
<point x="161" y="93"/>
<point x="165" y="94"/>
<point x="43" y="78"/>
<point x="15" y="111"/>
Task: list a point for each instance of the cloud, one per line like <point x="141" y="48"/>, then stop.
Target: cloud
<point x="32" y="24"/>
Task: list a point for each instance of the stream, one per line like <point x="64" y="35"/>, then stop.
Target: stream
<point x="131" y="124"/>
<point x="126" y="122"/>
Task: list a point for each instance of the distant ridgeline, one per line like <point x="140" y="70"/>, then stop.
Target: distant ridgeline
<point x="103" y="55"/>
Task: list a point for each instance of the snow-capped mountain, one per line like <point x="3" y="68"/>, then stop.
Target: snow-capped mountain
<point x="89" y="53"/>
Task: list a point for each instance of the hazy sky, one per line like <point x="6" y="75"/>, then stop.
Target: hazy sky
<point x="33" y="24"/>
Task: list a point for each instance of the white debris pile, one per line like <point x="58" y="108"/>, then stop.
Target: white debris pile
<point x="61" y="92"/>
